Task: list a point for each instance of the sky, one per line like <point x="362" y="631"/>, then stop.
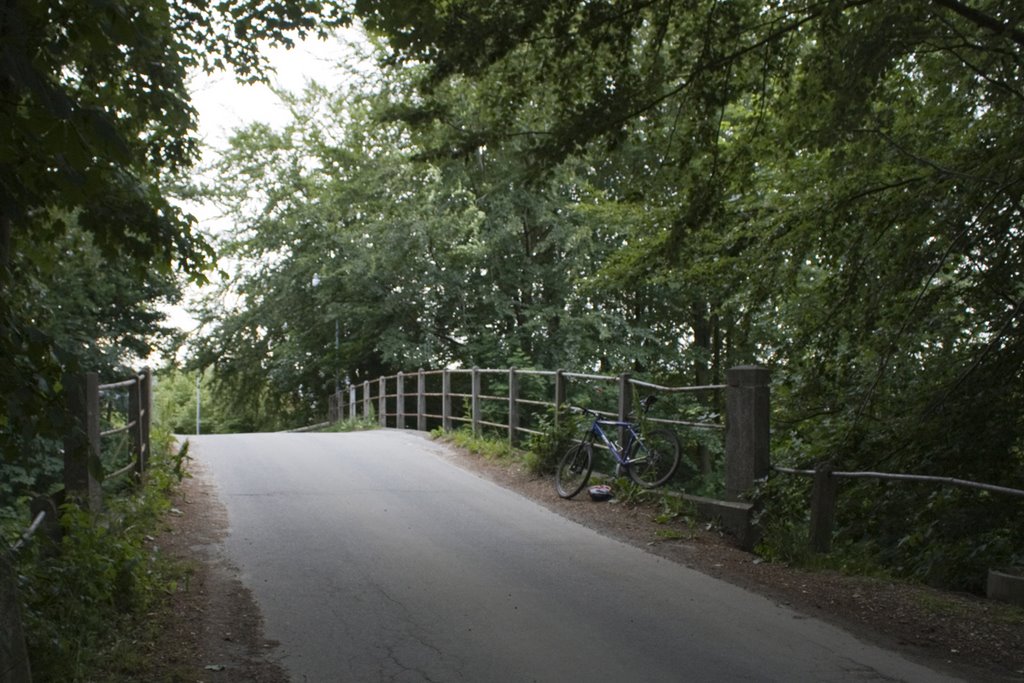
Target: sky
<point x="224" y="104"/>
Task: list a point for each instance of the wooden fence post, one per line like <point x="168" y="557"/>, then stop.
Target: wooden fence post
<point x="14" y="664"/>
<point x="367" y="402"/>
<point x="746" y="429"/>
<point x="513" y="408"/>
<point x="421" y="401"/>
<point x="135" y="414"/>
<point x="475" y="401"/>
<point x="82" y="443"/>
<point x="400" y="407"/>
<point x="145" y="417"/>
<point x="625" y="405"/>
<point x="446" y="400"/>
<point x="382" y="401"/>
<point x="823" y="508"/>
<point x="352" y="403"/>
<point x="559" y="396"/>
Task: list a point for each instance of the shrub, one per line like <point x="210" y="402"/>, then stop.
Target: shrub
<point x="85" y="599"/>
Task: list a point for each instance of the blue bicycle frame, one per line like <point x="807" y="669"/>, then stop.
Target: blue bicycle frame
<point x="630" y="437"/>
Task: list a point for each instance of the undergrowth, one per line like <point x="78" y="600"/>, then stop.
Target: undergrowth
<point x="489" y="447"/>
<point x="86" y="597"/>
<point x="357" y="424"/>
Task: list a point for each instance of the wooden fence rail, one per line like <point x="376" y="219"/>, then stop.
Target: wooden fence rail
<point x="825" y="492"/>
<point x="390" y="406"/>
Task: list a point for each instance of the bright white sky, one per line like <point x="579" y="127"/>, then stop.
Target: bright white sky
<point x="225" y="105"/>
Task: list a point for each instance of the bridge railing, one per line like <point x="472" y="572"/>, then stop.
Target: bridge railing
<point x="433" y="397"/>
<point x="515" y="402"/>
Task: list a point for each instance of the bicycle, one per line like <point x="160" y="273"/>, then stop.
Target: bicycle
<point x="649" y="460"/>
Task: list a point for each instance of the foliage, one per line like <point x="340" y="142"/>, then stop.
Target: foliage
<point x="558" y="433"/>
<point x="489" y="447"/>
<point x="359" y="424"/>
<point x="832" y="189"/>
<point x="87" y="600"/>
<point x="676" y="508"/>
<point x="175" y="407"/>
<point x="98" y="134"/>
<point x="628" y="492"/>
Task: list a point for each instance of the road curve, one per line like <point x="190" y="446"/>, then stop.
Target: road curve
<point x="374" y="558"/>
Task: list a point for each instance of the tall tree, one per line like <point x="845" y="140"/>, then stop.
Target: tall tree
<point x="97" y="129"/>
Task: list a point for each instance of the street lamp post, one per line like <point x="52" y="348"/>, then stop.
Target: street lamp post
<point x="199" y="402"/>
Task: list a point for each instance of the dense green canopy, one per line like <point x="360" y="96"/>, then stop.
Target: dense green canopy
<point x="832" y="189"/>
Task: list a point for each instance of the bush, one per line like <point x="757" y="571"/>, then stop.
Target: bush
<point x="546" y="449"/>
<point x="85" y="600"/>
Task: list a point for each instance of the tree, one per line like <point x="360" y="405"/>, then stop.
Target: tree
<point x="833" y="188"/>
<point x="98" y="129"/>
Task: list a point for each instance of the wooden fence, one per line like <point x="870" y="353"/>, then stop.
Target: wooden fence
<point x="83" y="471"/>
<point x="83" y="447"/>
<point x="515" y="402"/>
<point x="825" y="492"/>
<point x="408" y="400"/>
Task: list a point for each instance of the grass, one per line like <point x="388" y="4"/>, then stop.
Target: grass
<point x="359" y="424"/>
<point x="489" y="447"/>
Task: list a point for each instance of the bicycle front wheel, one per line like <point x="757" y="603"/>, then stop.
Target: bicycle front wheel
<point x="654" y="458"/>
<point x="573" y="471"/>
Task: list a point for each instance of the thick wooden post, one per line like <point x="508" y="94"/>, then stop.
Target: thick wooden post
<point x="513" y="407"/>
<point x="400" y="405"/>
<point x="475" y="402"/>
<point x="746" y="429"/>
<point x="367" y="402"/>
<point x="382" y="401"/>
<point x="823" y="508"/>
<point x="352" y="403"/>
<point x="421" y="401"/>
<point x="82" y="444"/>
<point x="446" y="400"/>
<point x="14" y="665"/>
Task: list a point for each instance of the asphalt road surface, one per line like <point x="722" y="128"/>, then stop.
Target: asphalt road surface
<point x="373" y="558"/>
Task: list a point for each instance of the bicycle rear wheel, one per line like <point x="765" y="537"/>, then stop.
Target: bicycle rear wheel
<point x="654" y="458"/>
<point x="573" y="471"/>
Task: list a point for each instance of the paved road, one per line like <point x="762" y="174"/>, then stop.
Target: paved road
<point x="373" y="558"/>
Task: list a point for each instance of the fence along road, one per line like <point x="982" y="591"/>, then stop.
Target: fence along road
<point x="374" y="558"/>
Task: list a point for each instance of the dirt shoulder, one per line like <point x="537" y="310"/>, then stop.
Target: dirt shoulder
<point x="213" y="630"/>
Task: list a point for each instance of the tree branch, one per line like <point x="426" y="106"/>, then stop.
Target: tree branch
<point x="979" y="18"/>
